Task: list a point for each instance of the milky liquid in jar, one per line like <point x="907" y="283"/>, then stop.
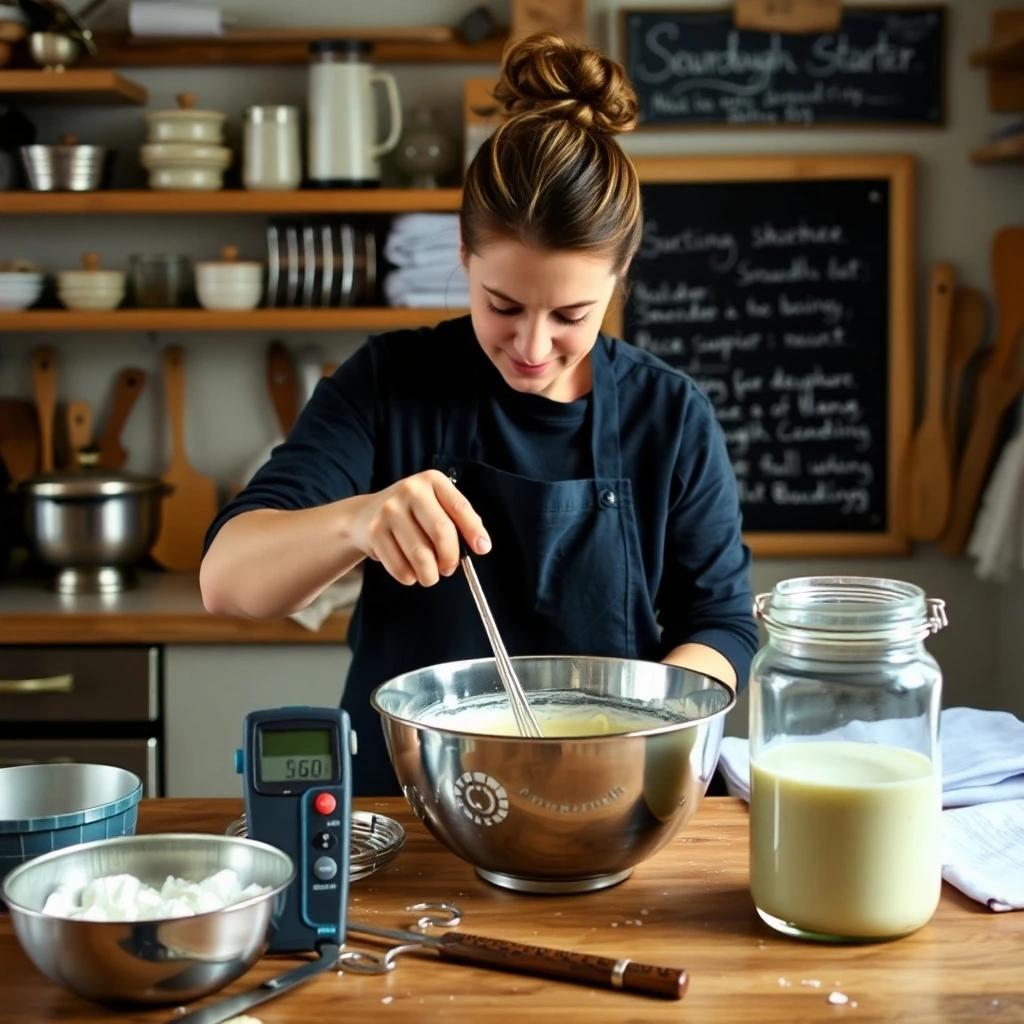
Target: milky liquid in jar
<point x="844" y="839"/>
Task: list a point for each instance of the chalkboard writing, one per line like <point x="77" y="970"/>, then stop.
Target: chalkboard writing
<point x="883" y="66"/>
<point x="774" y="297"/>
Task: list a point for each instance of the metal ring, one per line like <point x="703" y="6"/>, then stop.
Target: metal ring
<point x="450" y="915"/>
<point x="619" y="970"/>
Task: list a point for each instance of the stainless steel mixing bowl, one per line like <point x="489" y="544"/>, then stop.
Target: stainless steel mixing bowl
<point x="156" y="962"/>
<point x="555" y="815"/>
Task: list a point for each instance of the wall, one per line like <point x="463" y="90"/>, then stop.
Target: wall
<point x="229" y="417"/>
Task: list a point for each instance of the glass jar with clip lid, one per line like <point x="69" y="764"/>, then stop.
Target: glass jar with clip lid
<point x="845" y="777"/>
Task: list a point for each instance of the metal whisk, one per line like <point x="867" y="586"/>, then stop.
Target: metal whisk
<point x="525" y="720"/>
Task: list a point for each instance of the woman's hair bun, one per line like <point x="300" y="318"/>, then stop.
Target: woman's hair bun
<point x="548" y="75"/>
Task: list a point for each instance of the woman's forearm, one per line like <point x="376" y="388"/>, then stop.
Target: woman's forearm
<point x="269" y="563"/>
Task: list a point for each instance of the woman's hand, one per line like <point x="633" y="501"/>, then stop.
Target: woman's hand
<point x="412" y="528"/>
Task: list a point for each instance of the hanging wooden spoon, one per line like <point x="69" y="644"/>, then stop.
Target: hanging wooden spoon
<point x="996" y="392"/>
<point x="19" y="438"/>
<point x="931" y="460"/>
<point x="1008" y="289"/>
<point x="129" y="384"/>
<point x="44" y="383"/>
<point x="79" y="424"/>
<point x="188" y="511"/>
<point x="969" y="322"/>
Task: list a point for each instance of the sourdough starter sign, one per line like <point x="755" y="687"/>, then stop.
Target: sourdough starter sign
<point x="690" y="68"/>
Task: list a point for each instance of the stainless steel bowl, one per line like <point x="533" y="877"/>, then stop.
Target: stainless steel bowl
<point x="555" y="815"/>
<point x="156" y="962"/>
<point x="53" y="50"/>
<point x="68" y="168"/>
<point x="92" y="527"/>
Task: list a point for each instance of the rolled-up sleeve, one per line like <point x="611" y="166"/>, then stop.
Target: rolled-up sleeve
<point x="329" y="453"/>
<point x="705" y="595"/>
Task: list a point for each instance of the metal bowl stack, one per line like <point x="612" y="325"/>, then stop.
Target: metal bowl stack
<point x="68" y="167"/>
<point x="555" y="814"/>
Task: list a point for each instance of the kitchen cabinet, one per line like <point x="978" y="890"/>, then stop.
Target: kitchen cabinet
<point x="208" y="690"/>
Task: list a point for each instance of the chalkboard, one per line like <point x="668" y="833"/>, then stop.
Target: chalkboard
<point x="883" y="67"/>
<point x="783" y="287"/>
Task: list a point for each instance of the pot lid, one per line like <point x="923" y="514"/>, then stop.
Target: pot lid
<point x="88" y="480"/>
<point x="185" y="112"/>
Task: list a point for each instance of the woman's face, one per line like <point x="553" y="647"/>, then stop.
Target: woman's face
<point x="536" y="314"/>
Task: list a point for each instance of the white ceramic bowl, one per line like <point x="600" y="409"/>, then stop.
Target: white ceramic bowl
<point x="229" y="274"/>
<point x="196" y="179"/>
<point x="19" y="290"/>
<point x="91" y="299"/>
<point x="246" y="295"/>
<point x="91" y="280"/>
<point x="185" y="126"/>
<point x="185" y="165"/>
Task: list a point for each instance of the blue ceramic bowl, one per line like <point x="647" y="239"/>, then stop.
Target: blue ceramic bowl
<point x="46" y="807"/>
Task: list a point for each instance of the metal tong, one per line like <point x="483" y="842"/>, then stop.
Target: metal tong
<point x="497" y="954"/>
<point x="525" y="721"/>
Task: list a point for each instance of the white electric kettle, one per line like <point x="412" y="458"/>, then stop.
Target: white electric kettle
<point x="343" y="147"/>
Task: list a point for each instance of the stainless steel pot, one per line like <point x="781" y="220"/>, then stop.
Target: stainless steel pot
<point x="555" y="814"/>
<point x="93" y="526"/>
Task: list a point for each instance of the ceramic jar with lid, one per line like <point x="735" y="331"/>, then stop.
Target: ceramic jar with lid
<point x="229" y="283"/>
<point x="271" y="151"/>
<point x="91" y="287"/>
<point x="185" y="147"/>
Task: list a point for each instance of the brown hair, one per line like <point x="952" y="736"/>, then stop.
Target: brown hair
<point x="552" y="174"/>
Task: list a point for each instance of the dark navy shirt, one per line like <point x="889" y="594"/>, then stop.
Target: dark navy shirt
<point x="380" y="418"/>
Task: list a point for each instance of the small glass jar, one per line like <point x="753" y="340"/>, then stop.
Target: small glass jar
<point x="845" y="777"/>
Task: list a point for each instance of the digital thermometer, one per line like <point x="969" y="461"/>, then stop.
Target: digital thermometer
<point x="296" y="766"/>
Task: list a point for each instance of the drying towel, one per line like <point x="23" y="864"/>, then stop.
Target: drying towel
<point x="982" y="768"/>
<point x="998" y="533"/>
<point x="983" y="853"/>
<point x="420" y="239"/>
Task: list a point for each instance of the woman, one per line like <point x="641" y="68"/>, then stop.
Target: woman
<point x="590" y="479"/>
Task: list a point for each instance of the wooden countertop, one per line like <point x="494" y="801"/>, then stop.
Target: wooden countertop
<point x="688" y="906"/>
<point x="166" y="608"/>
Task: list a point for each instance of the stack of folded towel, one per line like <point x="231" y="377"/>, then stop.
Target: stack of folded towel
<point x="982" y="778"/>
<point x="424" y="248"/>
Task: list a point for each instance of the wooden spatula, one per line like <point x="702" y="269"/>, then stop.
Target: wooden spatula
<point x="190" y="508"/>
<point x="127" y="388"/>
<point x="931" y="459"/>
<point x="281" y="385"/>
<point x="1007" y="278"/>
<point x="79" y="424"/>
<point x="997" y="391"/>
<point x="19" y="438"/>
<point x="969" y="322"/>
<point x="44" y="384"/>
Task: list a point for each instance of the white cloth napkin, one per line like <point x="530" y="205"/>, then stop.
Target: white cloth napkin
<point x="983" y="853"/>
<point x="341" y="594"/>
<point x="167" y="18"/>
<point x="982" y="768"/>
<point x="419" y="239"/>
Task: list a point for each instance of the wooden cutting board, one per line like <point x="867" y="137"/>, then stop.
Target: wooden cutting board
<point x="931" y="458"/>
<point x="190" y="508"/>
<point x="127" y="388"/>
<point x="997" y="391"/>
<point x="19" y="438"/>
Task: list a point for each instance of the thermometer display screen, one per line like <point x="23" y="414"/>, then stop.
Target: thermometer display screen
<point x="296" y="755"/>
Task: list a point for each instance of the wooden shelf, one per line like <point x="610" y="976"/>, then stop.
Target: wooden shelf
<point x="383" y="200"/>
<point x="358" y="318"/>
<point x="76" y="87"/>
<point x="116" y="49"/>
<point x="1006" y="49"/>
<point x="1005" y="151"/>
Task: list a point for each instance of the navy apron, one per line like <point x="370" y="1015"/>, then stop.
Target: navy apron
<point x="565" y="574"/>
